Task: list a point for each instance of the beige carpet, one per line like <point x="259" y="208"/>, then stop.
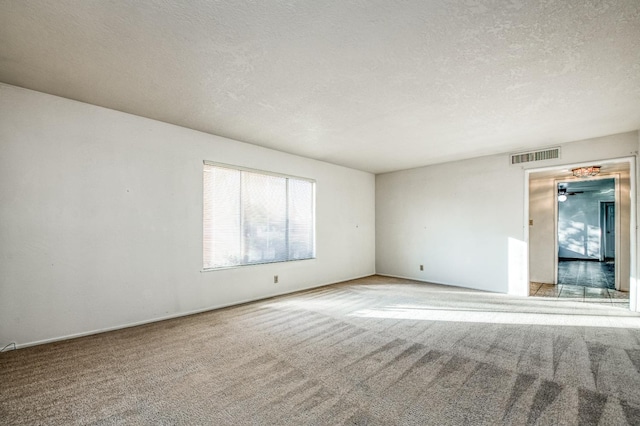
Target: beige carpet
<point x="366" y="352"/>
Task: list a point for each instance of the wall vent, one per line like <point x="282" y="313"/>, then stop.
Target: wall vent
<point x="527" y="157"/>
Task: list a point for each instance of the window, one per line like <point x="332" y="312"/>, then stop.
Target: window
<point x="253" y="217"/>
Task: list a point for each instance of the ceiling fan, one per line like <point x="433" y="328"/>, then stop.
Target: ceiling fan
<point x="562" y="193"/>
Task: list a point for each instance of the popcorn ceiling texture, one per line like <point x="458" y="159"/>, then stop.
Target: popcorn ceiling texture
<point x="377" y="86"/>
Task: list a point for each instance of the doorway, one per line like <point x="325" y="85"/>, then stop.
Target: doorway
<point x="586" y="236"/>
<point x="591" y="242"/>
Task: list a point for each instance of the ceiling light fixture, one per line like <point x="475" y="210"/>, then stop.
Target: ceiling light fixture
<point x="586" y="171"/>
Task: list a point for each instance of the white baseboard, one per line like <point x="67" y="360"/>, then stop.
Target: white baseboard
<point x="177" y="315"/>
<point x="438" y="283"/>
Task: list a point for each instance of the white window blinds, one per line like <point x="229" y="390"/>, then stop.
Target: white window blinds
<point x="253" y="217"/>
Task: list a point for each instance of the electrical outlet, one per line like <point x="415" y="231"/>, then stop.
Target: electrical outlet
<point x="275" y="279"/>
<point x="422" y="267"/>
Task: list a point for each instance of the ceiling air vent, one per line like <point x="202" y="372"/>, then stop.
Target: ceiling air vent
<point x="527" y="157"/>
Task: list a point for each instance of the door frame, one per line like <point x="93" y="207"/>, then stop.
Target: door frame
<point x="633" y="222"/>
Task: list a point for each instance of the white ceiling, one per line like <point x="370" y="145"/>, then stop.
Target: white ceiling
<point x="374" y="85"/>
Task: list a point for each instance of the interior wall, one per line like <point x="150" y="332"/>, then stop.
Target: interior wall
<point x="461" y="220"/>
<point x="464" y="220"/>
<point x="101" y="220"/>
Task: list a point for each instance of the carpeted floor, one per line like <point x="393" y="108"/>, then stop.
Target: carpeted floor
<point x="366" y="352"/>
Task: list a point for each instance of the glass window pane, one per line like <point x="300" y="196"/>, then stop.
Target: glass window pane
<point x="264" y="210"/>
<point x="252" y="217"/>
<point x="221" y="217"/>
<point x="301" y="229"/>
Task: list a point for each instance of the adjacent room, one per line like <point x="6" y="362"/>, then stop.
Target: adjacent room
<point x="319" y="212"/>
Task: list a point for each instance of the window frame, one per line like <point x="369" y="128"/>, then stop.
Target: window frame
<point x="267" y="173"/>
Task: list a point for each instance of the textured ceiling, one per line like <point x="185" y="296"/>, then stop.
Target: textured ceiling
<point x="374" y="85"/>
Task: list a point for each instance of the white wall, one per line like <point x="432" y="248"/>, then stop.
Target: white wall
<point x="101" y="220"/>
<point x="465" y="220"/>
<point x="458" y="219"/>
